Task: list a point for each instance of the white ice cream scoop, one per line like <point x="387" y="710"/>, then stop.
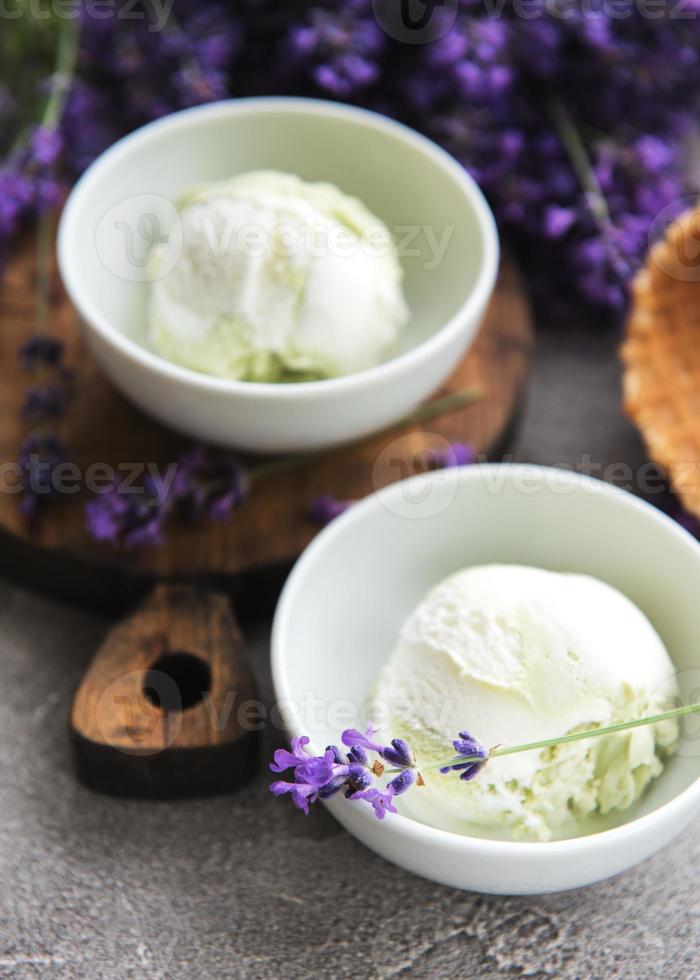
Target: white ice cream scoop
<point x="516" y="654"/>
<point x="278" y="280"/>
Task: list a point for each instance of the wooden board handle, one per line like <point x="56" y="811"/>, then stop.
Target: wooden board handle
<point x="168" y="705"/>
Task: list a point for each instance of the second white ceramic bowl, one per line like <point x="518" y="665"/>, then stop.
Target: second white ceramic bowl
<point x="341" y="610"/>
<point x="124" y="201"/>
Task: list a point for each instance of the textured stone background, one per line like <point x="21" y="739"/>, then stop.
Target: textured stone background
<point x="243" y="886"/>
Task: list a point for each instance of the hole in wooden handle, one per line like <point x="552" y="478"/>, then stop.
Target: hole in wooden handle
<point x="176" y="681"/>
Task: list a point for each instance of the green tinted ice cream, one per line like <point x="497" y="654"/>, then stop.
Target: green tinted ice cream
<point x="278" y="280"/>
<point x="514" y="655"/>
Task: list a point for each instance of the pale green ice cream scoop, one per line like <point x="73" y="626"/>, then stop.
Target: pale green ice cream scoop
<point x="516" y="654"/>
<point x="278" y="280"/>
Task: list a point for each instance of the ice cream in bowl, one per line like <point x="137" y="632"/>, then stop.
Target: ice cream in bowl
<point x="278" y="274"/>
<point x="481" y="609"/>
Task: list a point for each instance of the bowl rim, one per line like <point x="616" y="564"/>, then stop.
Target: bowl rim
<point x="69" y="230"/>
<point x="405" y="826"/>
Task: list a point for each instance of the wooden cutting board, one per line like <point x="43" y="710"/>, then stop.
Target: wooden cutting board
<point x="252" y="552"/>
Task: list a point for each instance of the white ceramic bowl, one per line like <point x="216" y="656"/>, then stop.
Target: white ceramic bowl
<point x="342" y="606"/>
<point x="125" y="198"/>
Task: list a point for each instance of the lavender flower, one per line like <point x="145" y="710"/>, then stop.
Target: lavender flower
<point x="399" y="784"/>
<point x="482" y="90"/>
<point x="380" y="801"/>
<point x="209" y="483"/>
<point x="40" y="456"/>
<point x="317" y="777"/>
<point x="326" y="508"/>
<point x="42" y="451"/>
<point x="322" y="777"/>
<point x="358" y="755"/>
<point x="128" y="520"/>
<point x="40" y="351"/>
<point x="283" y="759"/>
<point x="205" y="484"/>
<point x="457" y="454"/>
<point x="301" y="790"/>
<point x="354" y="738"/>
<point x="466" y="745"/>
<point x="398" y="754"/>
<point x="338" y="50"/>
<point x="45" y="403"/>
<point x="46" y="145"/>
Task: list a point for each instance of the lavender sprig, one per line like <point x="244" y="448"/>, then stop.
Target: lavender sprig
<point x="479" y="88"/>
<point x="205" y="483"/>
<point x="214" y="484"/>
<point x="43" y="451"/>
<point x="134" y="520"/>
<point x="320" y="777"/>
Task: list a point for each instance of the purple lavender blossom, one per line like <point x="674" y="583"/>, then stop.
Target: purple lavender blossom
<point x="352" y="778"/>
<point x="205" y="484"/>
<point x="482" y="90"/>
<point x="339" y="51"/>
<point x="284" y="759"/>
<point x="466" y="745"/>
<point x="358" y="755"/>
<point x="558" y="220"/>
<point x="209" y="483"/>
<point x="127" y="520"/>
<point x="40" y="456"/>
<point x="354" y="738"/>
<point x="326" y="508"/>
<point x="456" y="454"/>
<point x="317" y="777"/>
<point x="399" y="784"/>
<point x="40" y="351"/>
<point x="302" y="793"/>
<point x="322" y="777"/>
<point x="43" y="403"/>
<point x="46" y="145"/>
<point x="398" y="754"/>
<point x="381" y="801"/>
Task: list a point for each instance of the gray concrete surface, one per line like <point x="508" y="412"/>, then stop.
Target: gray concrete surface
<point x="244" y="886"/>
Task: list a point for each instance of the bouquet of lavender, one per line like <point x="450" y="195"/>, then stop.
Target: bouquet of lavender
<point x="575" y="119"/>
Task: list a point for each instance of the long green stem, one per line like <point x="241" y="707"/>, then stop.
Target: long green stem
<point x="620" y="726"/>
<point x="64" y="68"/>
<point x="425" y="413"/>
<point x="66" y="60"/>
<point x="579" y="159"/>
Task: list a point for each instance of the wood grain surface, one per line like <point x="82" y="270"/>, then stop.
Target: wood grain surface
<point x="272" y="527"/>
